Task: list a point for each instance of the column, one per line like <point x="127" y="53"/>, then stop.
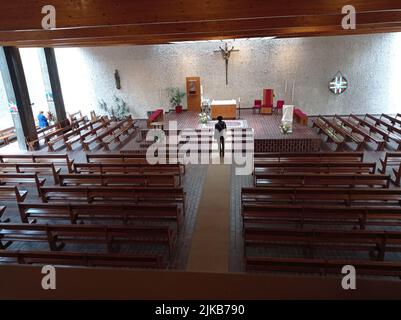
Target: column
<point x="17" y="94"/>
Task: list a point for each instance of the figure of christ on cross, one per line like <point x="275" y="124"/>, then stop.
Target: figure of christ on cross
<point x="226" y="54"/>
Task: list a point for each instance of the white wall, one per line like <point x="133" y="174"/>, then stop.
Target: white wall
<point x="371" y="63"/>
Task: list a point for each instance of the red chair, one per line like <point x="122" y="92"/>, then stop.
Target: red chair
<point x="280" y="105"/>
<point x="257" y="106"/>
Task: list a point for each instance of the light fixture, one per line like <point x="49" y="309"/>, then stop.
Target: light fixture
<point x="220" y="40"/>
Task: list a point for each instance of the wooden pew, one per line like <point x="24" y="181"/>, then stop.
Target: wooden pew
<point x="112" y="194"/>
<point x="332" y="136"/>
<point x="397" y="173"/>
<point x="57" y="236"/>
<point x="368" y="137"/>
<point x="72" y="136"/>
<point x="322" y="266"/>
<point x="114" y="260"/>
<point x="321" y="180"/>
<point x="315" y="167"/>
<point x="43" y="131"/>
<point x="101" y="137"/>
<point x="12" y="193"/>
<point x="390" y="159"/>
<point x="104" y="123"/>
<point x="307" y="214"/>
<point x="38" y="168"/>
<point x="125" y="213"/>
<point x="121" y="158"/>
<point x="76" y="116"/>
<point x="360" y="142"/>
<point x="128" y="168"/>
<point x="7" y="134"/>
<point x="396" y="132"/>
<point x="376" y="243"/>
<point x="61" y="128"/>
<point x="393" y="120"/>
<point x="346" y="196"/>
<point x="334" y="157"/>
<point x="146" y="180"/>
<point x="116" y="134"/>
<point x="2" y="210"/>
<point x="57" y="159"/>
<point x="22" y="178"/>
<point x="373" y="129"/>
<point x="110" y="158"/>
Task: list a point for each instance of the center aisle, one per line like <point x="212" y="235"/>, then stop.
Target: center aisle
<point x="211" y="238"/>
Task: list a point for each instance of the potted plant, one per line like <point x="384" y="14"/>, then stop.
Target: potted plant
<point x="176" y="96"/>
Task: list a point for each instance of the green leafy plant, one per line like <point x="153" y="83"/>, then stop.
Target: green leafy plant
<point x="176" y="96"/>
<point x="117" y="111"/>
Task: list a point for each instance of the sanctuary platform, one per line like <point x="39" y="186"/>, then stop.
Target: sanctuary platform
<point x="267" y="134"/>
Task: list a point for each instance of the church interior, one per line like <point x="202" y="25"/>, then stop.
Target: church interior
<point x="167" y="149"/>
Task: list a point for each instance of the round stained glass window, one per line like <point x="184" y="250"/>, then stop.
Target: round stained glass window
<point x="338" y="84"/>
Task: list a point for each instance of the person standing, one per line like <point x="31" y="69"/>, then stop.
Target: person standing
<point x="43" y="123"/>
<point x="219" y="134"/>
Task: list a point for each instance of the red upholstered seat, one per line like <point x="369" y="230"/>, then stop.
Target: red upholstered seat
<point x="300" y="116"/>
<point x="156" y="116"/>
<point x="280" y="105"/>
<point x="257" y="105"/>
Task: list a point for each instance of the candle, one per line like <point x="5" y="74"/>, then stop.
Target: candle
<point x="293" y="89"/>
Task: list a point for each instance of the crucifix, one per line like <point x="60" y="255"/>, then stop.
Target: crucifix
<point x="226" y="53"/>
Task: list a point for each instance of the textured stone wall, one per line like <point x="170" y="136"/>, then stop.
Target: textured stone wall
<point x="371" y="63"/>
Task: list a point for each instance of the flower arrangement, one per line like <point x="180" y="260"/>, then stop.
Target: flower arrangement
<point x="285" y="128"/>
<point x="204" y="118"/>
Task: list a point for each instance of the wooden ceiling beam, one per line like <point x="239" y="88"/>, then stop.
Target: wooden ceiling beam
<point x="162" y="39"/>
<point x="94" y="22"/>
<point x="26" y="14"/>
<point x="203" y="30"/>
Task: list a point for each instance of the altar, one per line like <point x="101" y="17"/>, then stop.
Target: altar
<point x="225" y="108"/>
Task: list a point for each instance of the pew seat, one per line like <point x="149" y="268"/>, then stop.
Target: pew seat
<point x="320" y="179"/>
<point x="12" y="193"/>
<point x="322" y="267"/>
<point x="81" y="259"/>
<point x="22" y="178"/>
<point x="57" y="236"/>
<point x="95" y="213"/>
<point x="38" y="168"/>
